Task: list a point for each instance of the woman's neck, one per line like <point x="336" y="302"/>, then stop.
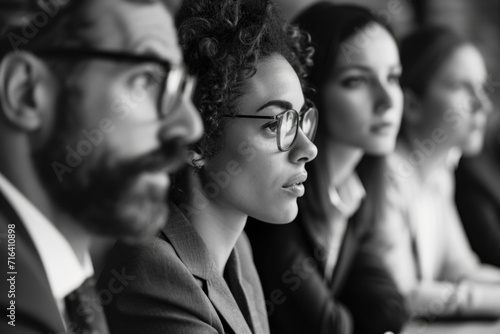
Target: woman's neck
<point x="430" y="154"/>
<point x="218" y="224"/>
<point x="342" y="161"/>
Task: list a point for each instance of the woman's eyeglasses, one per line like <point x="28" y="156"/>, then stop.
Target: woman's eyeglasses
<point x="288" y="123"/>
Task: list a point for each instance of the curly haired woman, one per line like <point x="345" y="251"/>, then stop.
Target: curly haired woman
<point x="198" y="275"/>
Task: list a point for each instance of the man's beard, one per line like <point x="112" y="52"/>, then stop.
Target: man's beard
<point x="107" y="195"/>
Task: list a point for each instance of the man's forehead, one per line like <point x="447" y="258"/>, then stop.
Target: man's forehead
<point x="134" y="26"/>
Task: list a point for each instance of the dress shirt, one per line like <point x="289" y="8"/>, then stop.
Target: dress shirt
<point x="64" y="271"/>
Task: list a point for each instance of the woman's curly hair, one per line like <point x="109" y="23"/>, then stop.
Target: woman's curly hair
<point x="222" y="42"/>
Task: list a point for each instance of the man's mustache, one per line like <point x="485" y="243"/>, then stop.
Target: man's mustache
<point x="169" y="158"/>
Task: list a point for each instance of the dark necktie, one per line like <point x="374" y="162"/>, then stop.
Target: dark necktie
<point x="84" y="310"/>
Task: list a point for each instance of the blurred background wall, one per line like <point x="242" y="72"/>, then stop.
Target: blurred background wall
<point x="477" y="20"/>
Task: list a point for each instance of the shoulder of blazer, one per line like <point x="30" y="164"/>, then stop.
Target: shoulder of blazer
<point x="36" y="309"/>
<point x="187" y="243"/>
<point x="192" y="251"/>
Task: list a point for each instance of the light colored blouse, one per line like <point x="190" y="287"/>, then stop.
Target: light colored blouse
<point x="425" y="247"/>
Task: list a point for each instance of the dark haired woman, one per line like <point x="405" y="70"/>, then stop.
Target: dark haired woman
<point x="445" y="114"/>
<point x="318" y="275"/>
<point x="198" y="275"/>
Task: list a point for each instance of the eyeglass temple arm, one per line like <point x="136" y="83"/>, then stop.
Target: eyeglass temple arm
<point x="262" y="117"/>
<point x="249" y="116"/>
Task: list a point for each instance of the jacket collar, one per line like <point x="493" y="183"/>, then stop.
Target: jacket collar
<point x="344" y="203"/>
<point x="194" y="254"/>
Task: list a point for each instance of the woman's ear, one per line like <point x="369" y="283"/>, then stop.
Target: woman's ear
<point x="195" y="159"/>
<point x="27" y="90"/>
<point x="413" y="113"/>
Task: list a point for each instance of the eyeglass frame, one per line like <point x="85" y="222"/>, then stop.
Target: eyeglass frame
<point x="187" y="82"/>
<point x="280" y="115"/>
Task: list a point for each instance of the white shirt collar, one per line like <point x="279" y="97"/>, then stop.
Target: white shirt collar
<point x="64" y="271"/>
<point x="347" y="197"/>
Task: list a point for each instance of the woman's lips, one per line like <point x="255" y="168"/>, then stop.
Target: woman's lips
<point x="383" y="128"/>
<point x="295" y="184"/>
<point x="296" y="189"/>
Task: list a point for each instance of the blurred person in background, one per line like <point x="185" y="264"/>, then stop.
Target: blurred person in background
<point x="76" y="161"/>
<point x="445" y="114"/>
<point x="317" y="273"/>
<point x="198" y="275"/>
<point x="478" y="198"/>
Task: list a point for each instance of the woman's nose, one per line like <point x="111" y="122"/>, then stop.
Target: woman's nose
<point x="382" y="97"/>
<point x="303" y="150"/>
<point x="481" y="101"/>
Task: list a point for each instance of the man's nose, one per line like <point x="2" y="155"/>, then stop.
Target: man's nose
<point x="183" y="124"/>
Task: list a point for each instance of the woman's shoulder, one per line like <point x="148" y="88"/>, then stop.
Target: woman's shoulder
<point x="155" y="257"/>
<point x="151" y="273"/>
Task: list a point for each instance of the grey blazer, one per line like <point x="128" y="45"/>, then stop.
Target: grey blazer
<point x="171" y="286"/>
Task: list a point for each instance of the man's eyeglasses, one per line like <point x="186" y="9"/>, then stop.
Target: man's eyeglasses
<point x="287" y="125"/>
<point x="174" y="80"/>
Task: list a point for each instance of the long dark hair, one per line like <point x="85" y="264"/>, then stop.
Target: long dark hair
<point x="329" y="25"/>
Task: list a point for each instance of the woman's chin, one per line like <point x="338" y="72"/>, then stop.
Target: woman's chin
<point x="382" y="149"/>
<point x="280" y="217"/>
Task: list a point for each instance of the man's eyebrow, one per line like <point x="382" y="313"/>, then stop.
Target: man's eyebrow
<point x="285" y="105"/>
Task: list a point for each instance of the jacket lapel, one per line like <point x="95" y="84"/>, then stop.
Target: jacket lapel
<point x="254" y="296"/>
<point x="194" y="254"/>
<point x="318" y="232"/>
<point x="223" y="301"/>
<point x="32" y="284"/>
<point x="347" y="251"/>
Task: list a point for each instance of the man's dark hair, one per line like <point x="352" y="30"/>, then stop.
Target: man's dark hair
<point x="34" y="24"/>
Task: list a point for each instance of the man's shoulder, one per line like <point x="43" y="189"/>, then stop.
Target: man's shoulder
<point x="27" y="292"/>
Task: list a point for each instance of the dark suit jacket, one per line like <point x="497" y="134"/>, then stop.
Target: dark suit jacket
<point x="177" y="289"/>
<point x="36" y="309"/>
<point x="478" y="201"/>
<point x="291" y="258"/>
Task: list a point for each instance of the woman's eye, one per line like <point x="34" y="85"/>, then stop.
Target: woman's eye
<point x="354" y="81"/>
<point x="145" y="80"/>
<point x="271" y="126"/>
<point x="456" y="85"/>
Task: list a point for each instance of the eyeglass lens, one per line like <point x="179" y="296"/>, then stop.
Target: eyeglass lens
<point x="289" y="126"/>
<point x="288" y="129"/>
<point x="308" y="123"/>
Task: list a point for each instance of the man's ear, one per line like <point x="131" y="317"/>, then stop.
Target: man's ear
<point x="195" y="159"/>
<point x="27" y="90"/>
<point x="413" y="113"/>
